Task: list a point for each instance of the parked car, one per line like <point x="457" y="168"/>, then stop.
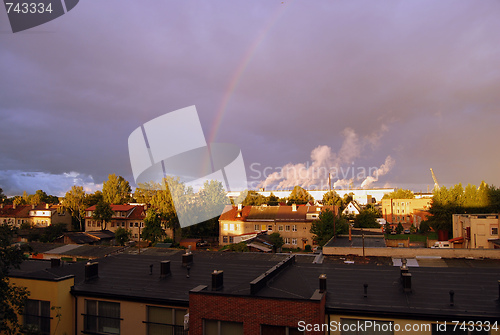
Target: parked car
<point x="407" y="231"/>
<point x="442" y="245"/>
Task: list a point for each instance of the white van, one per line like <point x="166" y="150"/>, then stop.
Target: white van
<point x="442" y="245"/>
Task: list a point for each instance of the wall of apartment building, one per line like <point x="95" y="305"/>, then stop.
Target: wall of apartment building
<point x="252" y="311"/>
<point x="135" y="226"/>
<point x="483" y="227"/>
<point x="133" y="315"/>
<point x="404" y="210"/>
<point x="295" y="234"/>
<point x="58" y="293"/>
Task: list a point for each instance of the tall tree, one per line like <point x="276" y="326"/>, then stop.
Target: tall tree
<point x="399" y="194"/>
<point x="276" y="240"/>
<point x="145" y="192"/>
<point x="299" y="196"/>
<point x="153" y="230"/>
<point x="116" y="190"/>
<point x="13" y="297"/>
<point x="367" y="218"/>
<point x="331" y="198"/>
<point x="75" y="201"/>
<point x="122" y="235"/>
<point x="322" y="229"/>
<point x="103" y="213"/>
<point x="2" y="196"/>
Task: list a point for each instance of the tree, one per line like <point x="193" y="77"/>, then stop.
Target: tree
<point x="93" y="199"/>
<point x="272" y="200"/>
<point x="367" y="218"/>
<point x="103" y="213"/>
<point x="116" y="190"/>
<point x="276" y="240"/>
<point x="122" y="235"/>
<point x="2" y="196"/>
<point x="299" y="196"/>
<point x="399" y="194"/>
<point x="331" y="198"/>
<point x="322" y="229"/>
<point x="342" y="225"/>
<point x="13" y="297"/>
<point x="399" y="228"/>
<point x="250" y="198"/>
<point x="52" y="232"/>
<point x="153" y="230"/>
<point x="145" y="192"/>
<point x="387" y="228"/>
<point x="74" y="200"/>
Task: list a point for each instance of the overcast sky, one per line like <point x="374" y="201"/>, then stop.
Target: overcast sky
<point x="400" y="86"/>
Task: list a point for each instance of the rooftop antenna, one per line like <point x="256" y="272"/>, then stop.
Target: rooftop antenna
<point x="436" y="185"/>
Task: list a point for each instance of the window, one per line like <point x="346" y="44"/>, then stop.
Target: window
<point x="494" y="230"/>
<point x="136" y="224"/>
<point x="215" y="327"/>
<point x="280" y="228"/>
<point x="378" y="327"/>
<point x="37" y="316"/>
<point x="287" y="228"/>
<point x="256" y="227"/>
<point x="123" y="224"/>
<point x="294" y="241"/>
<point x="231" y="239"/>
<point x="287" y="240"/>
<point x="231" y="226"/>
<point x="224" y="239"/>
<point x="165" y="321"/>
<point x="142" y="224"/>
<point x="279" y="330"/>
<point x="102" y="317"/>
<point x="294" y="227"/>
<point x="131" y="224"/>
<point x="270" y="227"/>
<point x="112" y="224"/>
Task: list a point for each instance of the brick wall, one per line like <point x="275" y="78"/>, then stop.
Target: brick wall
<point x="253" y="311"/>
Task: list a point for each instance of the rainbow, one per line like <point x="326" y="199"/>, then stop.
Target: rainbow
<point x="235" y="79"/>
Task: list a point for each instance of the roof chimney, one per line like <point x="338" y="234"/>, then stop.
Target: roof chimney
<point x="240" y="207"/>
<point x="322" y="283"/>
<point x="187" y="258"/>
<point x="164" y="269"/>
<point x="32" y="206"/>
<point x="13" y="205"/>
<point x="47" y="206"/>
<point x="294" y="207"/>
<point x="91" y="271"/>
<point x="55" y="262"/>
<point x="217" y="280"/>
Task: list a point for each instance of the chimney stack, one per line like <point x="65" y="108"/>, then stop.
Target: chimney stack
<point x="164" y="269"/>
<point x="13" y="205"/>
<point x="47" y="206"/>
<point x="217" y="280"/>
<point x="187" y="258"/>
<point x="322" y="283"/>
<point x="55" y="262"/>
<point x="91" y="271"/>
<point x="240" y="207"/>
<point x="294" y="207"/>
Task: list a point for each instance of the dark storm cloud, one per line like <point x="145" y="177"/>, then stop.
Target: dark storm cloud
<point x="71" y="91"/>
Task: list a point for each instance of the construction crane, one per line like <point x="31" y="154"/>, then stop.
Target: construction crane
<point x="436" y="185"/>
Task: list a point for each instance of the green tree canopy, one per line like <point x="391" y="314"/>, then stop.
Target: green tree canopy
<point x="74" y="200"/>
<point x="322" y="229"/>
<point x="153" y="230"/>
<point x="12" y="297"/>
<point x="103" y="213"/>
<point x="116" y="190"/>
<point x="299" y="196"/>
<point x="276" y="240"/>
<point x="399" y="194"/>
<point x="122" y="235"/>
<point x="367" y="218"/>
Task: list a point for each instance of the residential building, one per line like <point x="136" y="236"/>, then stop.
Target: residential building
<point x="38" y="216"/>
<point x="255" y="294"/>
<point x="293" y="223"/>
<point x="406" y="211"/>
<point x="476" y="231"/>
<point x="352" y="208"/>
<point x="127" y="216"/>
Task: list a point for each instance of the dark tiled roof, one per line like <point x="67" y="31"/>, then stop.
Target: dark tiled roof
<point x="80" y="237"/>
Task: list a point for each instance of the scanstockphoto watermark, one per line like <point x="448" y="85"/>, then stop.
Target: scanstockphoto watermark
<point x="307" y="171"/>
<point x="358" y="326"/>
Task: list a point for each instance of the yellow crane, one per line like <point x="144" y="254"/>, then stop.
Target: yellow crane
<point x="436" y="185"/>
